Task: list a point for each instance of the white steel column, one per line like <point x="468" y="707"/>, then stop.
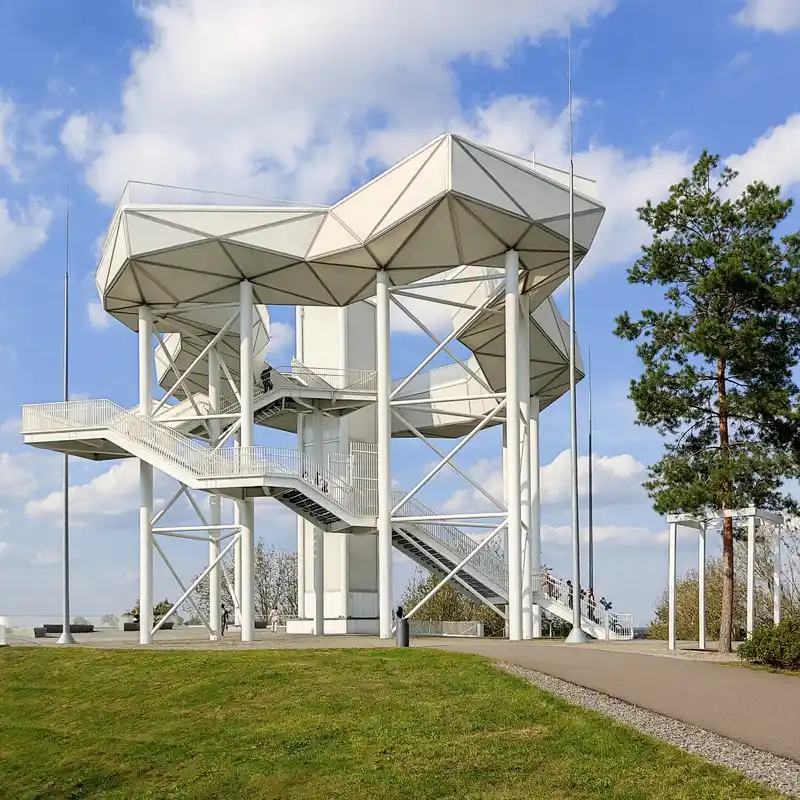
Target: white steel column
<point x="301" y="536"/>
<point x="751" y="574"/>
<point x="701" y="585"/>
<point x="776" y="574"/>
<point x="525" y="465"/>
<point x="513" y="477"/>
<point x="246" y="520"/>
<point x="145" y="482"/>
<point x="237" y="564"/>
<point x="673" y="547"/>
<point x="214" y="504"/>
<point x="246" y="361"/>
<point x="319" y="539"/>
<point x="536" y="511"/>
<point x="384" y="457"/>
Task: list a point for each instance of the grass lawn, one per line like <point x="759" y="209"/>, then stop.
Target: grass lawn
<point x="410" y="724"/>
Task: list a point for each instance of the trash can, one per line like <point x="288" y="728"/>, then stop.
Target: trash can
<point x="401" y="629"/>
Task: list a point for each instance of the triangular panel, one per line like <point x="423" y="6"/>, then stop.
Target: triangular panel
<point x="343" y="283"/>
<point x="217" y="222"/>
<point x="124" y="287"/>
<point x="432" y="244"/>
<point x="363" y="210"/>
<point x="146" y="235"/>
<point x="153" y="293"/>
<point x="471" y="181"/>
<point x="298" y="280"/>
<point x="293" y="237"/>
<point x="477" y="242"/>
<point x="507" y="228"/>
<point x="387" y="244"/>
<point x="205" y="257"/>
<point x="429" y="182"/>
<point x="332" y="237"/>
<point x="252" y="263"/>
<point x="586" y="226"/>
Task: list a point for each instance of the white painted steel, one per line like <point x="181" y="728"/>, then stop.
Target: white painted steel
<point x="536" y="512"/>
<point x="319" y="539"/>
<point x="246" y="520"/>
<point x="751" y="575"/>
<point x="514" y="554"/>
<point x="701" y="586"/>
<point x="246" y="361"/>
<point x="525" y="467"/>
<point x="384" y="412"/>
<point x="671" y="579"/>
<point x="214" y="502"/>
<point x="776" y="573"/>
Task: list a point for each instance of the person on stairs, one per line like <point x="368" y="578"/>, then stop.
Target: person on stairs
<point x="266" y="378"/>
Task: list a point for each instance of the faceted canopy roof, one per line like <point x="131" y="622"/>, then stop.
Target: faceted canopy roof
<point x="451" y="203"/>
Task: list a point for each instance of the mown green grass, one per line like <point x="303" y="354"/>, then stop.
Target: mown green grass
<point x="410" y="724"/>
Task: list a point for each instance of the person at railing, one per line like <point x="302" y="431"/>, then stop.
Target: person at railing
<point x="592" y="604"/>
<point x="569" y="593"/>
<point x="266" y="378"/>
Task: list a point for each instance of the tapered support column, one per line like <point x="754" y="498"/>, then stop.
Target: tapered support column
<point x="513" y="476"/>
<point x="319" y="540"/>
<point x="776" y="574"/>
<point x="301" y="539"/>
<point x="214" y="503"/>
<point x="384" y="457"/>
<point x="673" y="548"/>
<point x="246" y="361"/>
<point x="751" y="574"/>
<point x="237" y="565"/>
<point x="525" y="465"/>
<point x="536" y="511"/>
<point x="701" y="586"/>
<point x="248" y="599"/>
<point x="145" y="481"/>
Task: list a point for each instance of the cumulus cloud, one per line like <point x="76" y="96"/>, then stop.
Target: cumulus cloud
<point x="777" y="16"/>
<point x="11" y="426"/>
<point x="773" y="158"/>
<point x="46" y="558"/>
<point x="98" y="318"/>
<point x="617" y="480"/>
<point x="113" y="492"/>
<point x="281" y="341"/>
<point x="23" y="230"/>
<point x="620" y="535"/>
<point x="18" y="476"/>
<point x="280" y="97"/>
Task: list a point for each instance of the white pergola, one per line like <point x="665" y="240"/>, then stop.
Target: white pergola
<point x="753" y="516"/>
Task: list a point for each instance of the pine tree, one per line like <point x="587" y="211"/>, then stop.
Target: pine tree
<point x="718" y="354"/>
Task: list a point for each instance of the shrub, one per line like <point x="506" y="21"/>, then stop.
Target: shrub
<point x="775" y="646"/>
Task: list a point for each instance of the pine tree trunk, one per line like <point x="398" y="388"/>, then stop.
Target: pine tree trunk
<point x="726" y="614"/>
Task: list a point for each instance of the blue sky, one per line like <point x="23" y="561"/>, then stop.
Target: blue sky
<point x="306" y="100"/>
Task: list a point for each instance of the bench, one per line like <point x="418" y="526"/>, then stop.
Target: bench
<point x="134" y="626"/>
<point x="75" y="627"/>
<point x="39" y="633"/>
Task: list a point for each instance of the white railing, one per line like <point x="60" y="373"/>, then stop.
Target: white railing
<point x="196" y="459"/>
<point x="454" y="539"/>
<point x="418" y="627"/>
<point x="616" y="625"/>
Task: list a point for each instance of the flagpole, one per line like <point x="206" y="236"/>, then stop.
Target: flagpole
<point x="576" y="635"/>
<point x="591" y="498"/>
<point x="66" y="634"/>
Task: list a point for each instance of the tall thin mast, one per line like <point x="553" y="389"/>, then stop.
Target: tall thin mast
<point x="591" y="497"/>
<point x="576" y="635"/>
<point x="66" y="635"/>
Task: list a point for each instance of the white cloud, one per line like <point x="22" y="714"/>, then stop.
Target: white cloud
<point x="774" y="158"/>
<point x="76" y="136"/>
<point x="46" y="558"/>
<point x="18" y="476"/>
<point x="281" y="339"/>
<point x="22" y="231"/>
<point x="7" y="144"/>
<point x="11" y="426"/>
<point x="115" y="491"/>
<point x="770" y="15"/>
<point x="324" y="70"/>
<point x="3" y="547"/>
<point x="616" y="480"/>
<point x="98" y="318"/>
<point x="622" y="535"/>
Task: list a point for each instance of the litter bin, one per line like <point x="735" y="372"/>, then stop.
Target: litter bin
<point x="401" y="629"/>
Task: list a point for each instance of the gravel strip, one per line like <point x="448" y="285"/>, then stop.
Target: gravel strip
<point x="779" y="773"/>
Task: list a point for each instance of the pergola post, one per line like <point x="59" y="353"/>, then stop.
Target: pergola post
<point x="513" y="478"/>
<point x="145" y="482"/>
<point x="701" y="585"/>
<point x="384" y="456"/>
<point x="673" y="547"/>
<point x="776" y="573"/>
<point x="751" y="574"/>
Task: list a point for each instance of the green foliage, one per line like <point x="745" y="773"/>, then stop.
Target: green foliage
<point x="718" y="355"/>
<point x="776" y="646"/>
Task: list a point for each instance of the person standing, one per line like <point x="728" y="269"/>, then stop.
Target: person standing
<point x="274" y="618"/>
<point x="224" y="619"/>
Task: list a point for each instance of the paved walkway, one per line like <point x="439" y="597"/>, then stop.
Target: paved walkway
<point x="758" y="708"/>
